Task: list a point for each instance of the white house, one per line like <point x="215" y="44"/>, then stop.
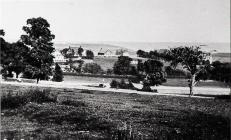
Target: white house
<point x="59" y="58"/>
<point x="105" y="53"/>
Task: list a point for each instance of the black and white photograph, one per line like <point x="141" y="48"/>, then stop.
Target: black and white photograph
<point x="115" y="70"/>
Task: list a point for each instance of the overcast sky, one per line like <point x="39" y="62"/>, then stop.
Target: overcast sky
<point x="122" y="20"/>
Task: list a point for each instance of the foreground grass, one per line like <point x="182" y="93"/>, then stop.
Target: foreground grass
<point x="83" y="114"/>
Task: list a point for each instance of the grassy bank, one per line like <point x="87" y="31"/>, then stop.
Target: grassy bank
<point x="83" y="114"/>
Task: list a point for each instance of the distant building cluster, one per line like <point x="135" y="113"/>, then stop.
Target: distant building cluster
<point x="101" y="54"/>
<point x="59" y="58"/>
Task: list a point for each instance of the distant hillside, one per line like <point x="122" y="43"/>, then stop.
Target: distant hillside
<point x="220" y="47"/>
<point x="94" y="47"/>
<point x="222" y="57"/>
<point x="223" y="49"/>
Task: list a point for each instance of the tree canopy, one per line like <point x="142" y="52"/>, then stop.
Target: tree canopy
<point x="2" y="33"/>
<point x="38" y="37"/>
<point x="68" y="52"/>
<point x="154" y="73"/>
<point x="89" y="54"/>
<point x="192" y="59"/>
<point x="13" y="57"/>
<point x="80" y="51"/>
<point x="122" y="65"/>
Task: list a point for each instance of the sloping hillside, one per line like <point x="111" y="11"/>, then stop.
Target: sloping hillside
<point x="222" y="57"/>
<point x="94" y="47"/>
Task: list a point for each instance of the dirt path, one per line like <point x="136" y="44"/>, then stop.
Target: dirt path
<point x="162" y="90"/>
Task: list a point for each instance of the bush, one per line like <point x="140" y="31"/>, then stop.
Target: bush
<point x="109" y="71"/>
<point x="130" y="85"/>
<point x="122" y="84"/>
<point x="146" y="88"/>
<point x="114" y="84"/>
<point x="58" y="74"/>
<point x="20" y="99"/>
<point x="101" y="85"/>
<point x="40" y="96"/>
<point x="12" y="101"/>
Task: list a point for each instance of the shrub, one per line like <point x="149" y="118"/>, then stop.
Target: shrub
<point x="20" y="99"/>
<point x="109" y="71"/>
<point x="40" y="96"/>
<point x="12" y="101"/>
<point x="130" y="85"/>
<point x="114" y="84"/>
<point x="122" y="84"/>
<point x="101" y="85"/>
<point x="58" y="74"/>
<point x="147" y="89"/>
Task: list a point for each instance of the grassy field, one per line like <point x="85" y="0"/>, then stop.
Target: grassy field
<point x="105" y="62"/>
<point x="84" y="114"/>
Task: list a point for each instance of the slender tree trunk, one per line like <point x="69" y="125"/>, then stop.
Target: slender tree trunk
<point x="192" y="84"/>
<point x="37" y="80"/>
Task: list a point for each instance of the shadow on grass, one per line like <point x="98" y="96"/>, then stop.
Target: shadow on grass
<point x="222" y="97"/>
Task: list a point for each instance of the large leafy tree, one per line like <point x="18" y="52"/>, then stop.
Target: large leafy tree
<point x="192" y="59"/>
<point x="68" y="52"/>
<point x="89" y="54"/>
<point x="39" y="38"/>
<point x="80" y="51"/>
<point x="141" y="53"/>
<point x="154" y="73"/>
<point x="221" y="72"/>
<point x="122" y="65"/>
<point x="19" y="54"/>
<point x="13" y="57"/>
<point x="5" y="49"/>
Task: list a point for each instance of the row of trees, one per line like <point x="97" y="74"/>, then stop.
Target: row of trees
<point x="193" y="60"/>
<point x="69" y="53"/>
<point x="32" y="54"/>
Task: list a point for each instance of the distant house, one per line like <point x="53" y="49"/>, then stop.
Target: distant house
<point x="59" y="58"/>
<point x="105" y="53"/>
